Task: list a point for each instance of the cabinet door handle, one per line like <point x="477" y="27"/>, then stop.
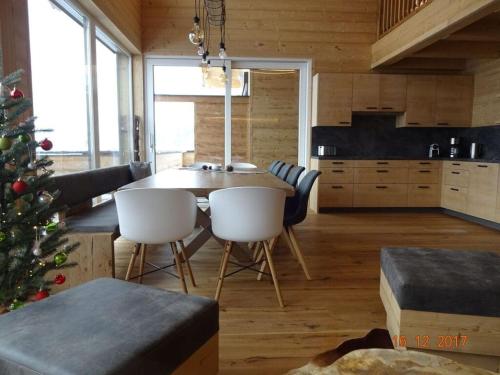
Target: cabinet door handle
<point x="424" y="187"/>
<point x="387" y="108"/>
<point x="371" y="108"/>
<point x="382" y="163"/>
<point x="424" y="163"/>
<point x="424" y="171"/>
<point x="382" y="171"/>
<point x="337" y="162"/>
<point x="381" y="187"/>
<point x="455" y="172"/>
<point x="443" y="124"/>
<point x="456" y="164"/>
<point x="454" y="189"/>
<point x="337" y="171"/>
<point x="482" y="166"/>
<point x="413" y="123"/>
<point x="345" y="122"/>
<point x="337" y="187"/>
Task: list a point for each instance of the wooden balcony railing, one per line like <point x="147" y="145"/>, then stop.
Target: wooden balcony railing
<point x="394" y="12"/>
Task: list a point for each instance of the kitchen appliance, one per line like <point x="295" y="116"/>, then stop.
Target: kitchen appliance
<point x="455" y="147"/>
<point x="327" y="151"/>
<point x="476" y="149"/>
<point x="434" y="150"/>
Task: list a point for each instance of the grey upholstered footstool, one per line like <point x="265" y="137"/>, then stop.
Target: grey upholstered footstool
<point x="444" y="300"/>
<point x="109" y="327"/>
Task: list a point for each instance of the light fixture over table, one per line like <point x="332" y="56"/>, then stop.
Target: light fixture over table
<point x="208" y="14"/>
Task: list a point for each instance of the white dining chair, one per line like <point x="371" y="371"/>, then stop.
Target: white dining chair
<point x="157" y="217"/>
<point x="247" y="214"/>
<point x="243" y="166"/>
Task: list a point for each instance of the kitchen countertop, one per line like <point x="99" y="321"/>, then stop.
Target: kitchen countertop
<point x="402" y="158"/>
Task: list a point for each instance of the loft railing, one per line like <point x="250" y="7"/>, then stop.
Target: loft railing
<point x="394" y="12"/>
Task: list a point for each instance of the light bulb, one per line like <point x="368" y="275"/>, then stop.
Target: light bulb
<point x="201" y="50"/>
<point x="222" y="53"/>
<point x="196" y="35"/>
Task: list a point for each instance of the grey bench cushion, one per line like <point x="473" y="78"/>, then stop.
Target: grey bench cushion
<point x="446" y="281"/>
<point x="106" y="327"/>
<point x="99" y="219"/>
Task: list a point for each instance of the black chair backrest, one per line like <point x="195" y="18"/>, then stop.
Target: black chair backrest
<point x="296" y="207"/>
<point x="294" y="174"/>
<point x="283" y="173"/>
<point x="272" y="165"/>
<point x="277" y="168"/>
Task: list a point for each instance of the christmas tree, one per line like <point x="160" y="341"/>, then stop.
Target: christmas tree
<point x="31" y="239"/>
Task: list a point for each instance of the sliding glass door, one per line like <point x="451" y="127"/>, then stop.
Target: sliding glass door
<point x="232" y="111"/>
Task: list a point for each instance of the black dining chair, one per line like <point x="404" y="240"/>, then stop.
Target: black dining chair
<point x="277" y="167"/>
<point x="272" y="165"/>
<point x="283" y="173"/>
<point x="294" y="174"/>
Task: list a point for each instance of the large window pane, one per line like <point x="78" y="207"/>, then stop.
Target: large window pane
<point x="113" y="93"/>
<point x="59" y="83"/>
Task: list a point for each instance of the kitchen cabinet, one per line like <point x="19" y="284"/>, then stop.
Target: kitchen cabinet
<point x="379" y="93"/>
<point x="454" y="97"/>
<point x="332" y="99"/>
<point x="424" y="195"/>
<point x="454" y="198"/>
<point x="380" y="195"/>
<point x="335" y="195"/>
<point x="380" y="175"/>
<point x="420" y="100"/>
<point x="482" y="192"/>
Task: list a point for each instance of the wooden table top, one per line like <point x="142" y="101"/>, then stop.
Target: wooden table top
<point x="201" y="183"/>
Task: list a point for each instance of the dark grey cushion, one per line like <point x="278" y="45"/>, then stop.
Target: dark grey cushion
<point x="446" y="281"/>
<point x="140" y="169"/>
<point x="99" y="219"/>
<point x="106" y="327"/>
<point x="77" y="188"/>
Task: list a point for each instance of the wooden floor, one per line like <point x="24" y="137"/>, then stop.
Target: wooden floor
<point x="342" y="251"/>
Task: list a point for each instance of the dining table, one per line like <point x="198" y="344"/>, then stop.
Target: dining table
<point x="201" y="183"/>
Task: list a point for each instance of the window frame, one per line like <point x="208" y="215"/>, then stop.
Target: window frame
<point x="94" y="30"/>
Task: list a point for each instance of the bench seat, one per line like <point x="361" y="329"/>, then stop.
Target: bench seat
<point x="101" y="218"/>
<point x="108" y="327"/>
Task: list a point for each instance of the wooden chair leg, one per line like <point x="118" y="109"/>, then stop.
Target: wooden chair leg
<point x="142" y="262"/>
<point x="289" y="242"/>
<point x="178" y="264"/>
<point x="223" y="267"/>
<point x="263" y="266"/>
<point x="302" y="262"/>
<point x="131" y="264"/>
<point x="186" y="260"/>
<point x="273" y="273"/>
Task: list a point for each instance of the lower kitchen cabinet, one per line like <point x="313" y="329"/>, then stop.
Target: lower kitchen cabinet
<point x="335" y="195"/>
<point x="454" y="198"/>
<point x="380" y="195"/>
<point x="482" y="192"/>
<point x="424" y="195"/>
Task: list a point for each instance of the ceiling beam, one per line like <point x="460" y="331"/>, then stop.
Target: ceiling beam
<point x="426" y="65"/>
<point x="485" y="30"/>
<point x="446" y="49"/>
<point x="435" y="21"/>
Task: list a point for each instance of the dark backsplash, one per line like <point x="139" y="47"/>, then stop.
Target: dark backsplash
<point x="377" y="136"/>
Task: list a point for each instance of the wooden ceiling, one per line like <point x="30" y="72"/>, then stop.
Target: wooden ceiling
<point x="480" y="40"/>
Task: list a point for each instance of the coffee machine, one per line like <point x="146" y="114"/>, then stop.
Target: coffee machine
<point x="434" y="150"/>
<point x="455" y="147"/>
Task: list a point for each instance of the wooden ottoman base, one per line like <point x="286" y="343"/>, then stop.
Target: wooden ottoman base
<point x="469" y="339"/>
<point x="204" y="361"/>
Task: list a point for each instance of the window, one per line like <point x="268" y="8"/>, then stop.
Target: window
<point x="63" y="40"/>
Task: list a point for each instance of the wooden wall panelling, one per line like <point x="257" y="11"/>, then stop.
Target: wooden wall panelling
<point x="336" y="34"/>
<point x="273" y="116"/>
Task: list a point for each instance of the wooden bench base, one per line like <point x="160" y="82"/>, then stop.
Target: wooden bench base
<point x="94" y="258"/>
<point x="469" y="339"/>
<point x="204" y="361"/>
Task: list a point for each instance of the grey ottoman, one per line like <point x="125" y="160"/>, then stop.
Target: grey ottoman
<point x="444" y="300"/>
<point x="109" y="327"/>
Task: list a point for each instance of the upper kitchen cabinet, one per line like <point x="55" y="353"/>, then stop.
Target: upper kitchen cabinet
<point x="438" y="101"/>
<point x="379" y="93"/>
<point x="332" y="99"/>
<point x="454" y="96"/>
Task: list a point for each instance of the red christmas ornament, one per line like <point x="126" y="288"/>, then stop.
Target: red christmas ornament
<point x="41" y="294"/>
<point x="15" y="93"/>
<point x="60" y="279"/>
<point x="46" y="144"/>
<point x="19" y="186"/>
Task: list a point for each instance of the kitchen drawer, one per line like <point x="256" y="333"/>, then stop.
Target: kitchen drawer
<point x="424" y="195"/>
<point x="337" y="175"/>
<point x="381" y="195"/>
<point x="454" y="198"/>
<point x="424" y="175"/>
<point x="380" y="175"/>
<point x="381" y="163"/>
<point x="335" y="195"/>
<point x="463" y="165"/>
<point x="456" y="177"/>
<point x="336" y="163"/>
<point x="427" y="164"/>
